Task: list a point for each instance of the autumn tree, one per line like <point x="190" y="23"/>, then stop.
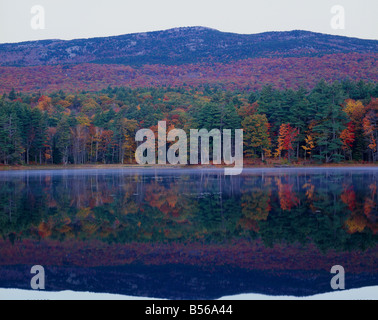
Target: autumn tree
<point x="370" y="129"/>
<point x="356" y="112"/>
<point x="309" y="145"/>
<point x="79" y="136"/>
<point x="347" y="137"/>
<point x="256" y="136"/>
<point x="287" y="135"/>
<point x="126" y="140"/>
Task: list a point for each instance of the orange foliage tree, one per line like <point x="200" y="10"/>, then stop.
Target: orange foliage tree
<point x="287" y="135"/>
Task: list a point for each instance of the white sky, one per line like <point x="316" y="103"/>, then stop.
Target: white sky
<point x="70" y="19"/>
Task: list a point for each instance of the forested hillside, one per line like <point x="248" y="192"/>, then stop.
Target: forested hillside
<point x="250" y="74"/>
<point x="187" y="57"/>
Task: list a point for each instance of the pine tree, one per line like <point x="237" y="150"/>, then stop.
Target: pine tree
<point x="63" y="139"/>
<point x="11" y="149"/>
<point x="331" y="120"/>
<point x="12" y="95"/>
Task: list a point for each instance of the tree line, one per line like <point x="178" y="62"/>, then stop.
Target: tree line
<point x="332" y="122"/>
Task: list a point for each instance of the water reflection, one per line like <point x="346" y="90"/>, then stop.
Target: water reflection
<point x="190" y="234"/>
<point x="333" y="209"/>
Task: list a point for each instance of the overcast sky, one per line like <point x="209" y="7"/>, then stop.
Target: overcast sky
<point x="70" y="19"/>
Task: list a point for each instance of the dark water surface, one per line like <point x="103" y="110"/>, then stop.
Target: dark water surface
<point x="189" y="234"/>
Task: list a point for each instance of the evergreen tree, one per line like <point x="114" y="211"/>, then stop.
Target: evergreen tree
<point x="11" y="149"/>
<point x="330" y="119"/>
<point x="63" y="139"/>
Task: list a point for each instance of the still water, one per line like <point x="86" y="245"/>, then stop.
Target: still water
<point x="189" y="234"/>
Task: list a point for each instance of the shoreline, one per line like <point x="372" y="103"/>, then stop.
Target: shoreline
<point x="364" y="293"/>
<point x="135" y="166"/>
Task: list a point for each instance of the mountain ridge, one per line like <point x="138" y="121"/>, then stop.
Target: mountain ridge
<point x="178" y="46"/>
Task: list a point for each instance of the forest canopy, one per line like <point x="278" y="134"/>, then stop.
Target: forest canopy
<point x="332" y="122"/>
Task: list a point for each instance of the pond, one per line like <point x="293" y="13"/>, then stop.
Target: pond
<point x="189" y="233"/>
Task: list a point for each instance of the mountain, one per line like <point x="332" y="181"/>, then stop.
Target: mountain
<point x="186" y="56"/>
<point x="180" y="46"/>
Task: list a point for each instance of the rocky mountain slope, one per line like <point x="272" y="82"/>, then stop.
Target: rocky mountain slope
<point x="179" y="46"/>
